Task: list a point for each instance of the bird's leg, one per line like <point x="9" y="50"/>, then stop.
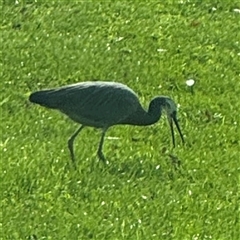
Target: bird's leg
<point x="99" y="152"/>
<point x="71" y="140"/>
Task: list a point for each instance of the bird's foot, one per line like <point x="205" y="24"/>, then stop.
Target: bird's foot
<point x="101" y="156"/>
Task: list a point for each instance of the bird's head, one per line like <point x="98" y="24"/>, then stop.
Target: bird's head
<point x="170" y="107"/>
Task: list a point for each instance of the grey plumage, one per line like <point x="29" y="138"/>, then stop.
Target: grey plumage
<point x="102" y="105"/>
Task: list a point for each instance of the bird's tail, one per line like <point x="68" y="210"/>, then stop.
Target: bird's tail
<point x="45" y="98"/>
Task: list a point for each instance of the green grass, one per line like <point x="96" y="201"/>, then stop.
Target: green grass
<point x="153" y="47"/>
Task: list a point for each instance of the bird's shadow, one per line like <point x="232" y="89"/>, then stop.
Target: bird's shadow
<point x="130" y="168"/>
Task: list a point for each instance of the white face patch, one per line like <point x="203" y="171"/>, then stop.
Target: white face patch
<point x="170" y="107"/>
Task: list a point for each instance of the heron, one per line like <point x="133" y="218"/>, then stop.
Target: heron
<point x="102" y="104"/>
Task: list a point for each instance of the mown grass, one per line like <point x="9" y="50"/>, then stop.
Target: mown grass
<point x="144" y="192"/>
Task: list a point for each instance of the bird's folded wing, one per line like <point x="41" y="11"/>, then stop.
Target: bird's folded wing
<point x="105" y="104"/>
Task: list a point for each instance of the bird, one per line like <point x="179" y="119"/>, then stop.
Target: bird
<point x="103" y="104"/>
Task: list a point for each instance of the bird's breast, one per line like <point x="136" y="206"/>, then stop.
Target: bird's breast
<point x="87" y="121"/>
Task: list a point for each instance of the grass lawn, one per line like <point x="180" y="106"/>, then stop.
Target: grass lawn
<point x="148" y="190"/>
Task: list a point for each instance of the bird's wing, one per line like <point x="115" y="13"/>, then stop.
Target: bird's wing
<point x="94" y="105"/>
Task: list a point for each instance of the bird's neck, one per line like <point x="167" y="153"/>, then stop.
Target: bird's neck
<point x="153" y="114"/>
<point x="142" y="117"/>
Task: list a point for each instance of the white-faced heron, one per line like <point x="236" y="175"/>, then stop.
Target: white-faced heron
<point x="104" y="104"/>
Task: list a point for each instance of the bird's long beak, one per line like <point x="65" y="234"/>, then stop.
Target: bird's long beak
<point x="173" y="118"/>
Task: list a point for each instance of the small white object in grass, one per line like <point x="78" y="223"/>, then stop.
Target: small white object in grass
<point x="236" y="10"/>
<point x="161" y="50"/>
<point x="144" y="197"/>
<point x="119" y="39"/>
<point x="113" y="138"/>
<point x="190" y="82"/>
